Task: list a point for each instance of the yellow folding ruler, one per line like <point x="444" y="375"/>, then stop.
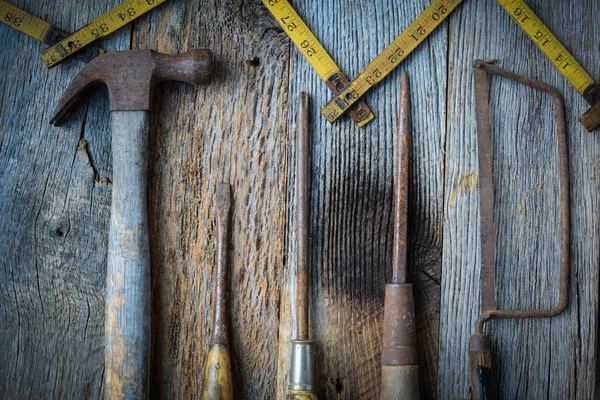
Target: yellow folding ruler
<point x="390" y="57"/>
<point x="316" y="55"/>
<point x="39" y="29"/>
<point x="559" y="56"/>
<point x="103" y="25"/>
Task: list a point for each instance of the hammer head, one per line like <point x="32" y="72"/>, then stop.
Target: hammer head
<point x="591" y="118"/>
<point x="130" y="77"/>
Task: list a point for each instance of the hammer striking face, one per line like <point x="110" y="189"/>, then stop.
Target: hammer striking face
<point x="130" y="77"/>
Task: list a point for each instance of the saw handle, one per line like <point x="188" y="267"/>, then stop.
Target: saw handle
<point x="481" y="377"/>
<point x="127" y="331"/>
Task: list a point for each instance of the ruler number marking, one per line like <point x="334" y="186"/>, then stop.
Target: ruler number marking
<point x="11" y="19"/>
<point x="289" y="26"/>
<point x="130" y="12"/>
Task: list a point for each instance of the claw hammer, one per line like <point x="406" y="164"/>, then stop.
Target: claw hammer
<point x="130" y="77"/>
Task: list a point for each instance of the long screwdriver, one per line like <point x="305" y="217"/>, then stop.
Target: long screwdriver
<point x="400" y="371"/>
<point x="301" y="385"/>
<point x="218" y="382"/>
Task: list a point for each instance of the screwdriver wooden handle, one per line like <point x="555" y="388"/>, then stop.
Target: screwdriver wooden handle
<point x="218" y="379"/>
<point x="481" y="377"/>
<point x="300" y="395"/>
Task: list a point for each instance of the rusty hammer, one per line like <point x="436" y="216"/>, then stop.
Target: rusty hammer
<point x="130" y="77"/>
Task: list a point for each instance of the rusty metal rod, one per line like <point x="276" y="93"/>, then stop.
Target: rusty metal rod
<point x="302" y="216"/>
<point x="400" y="370"/>
<point x="220" y="335"/>
<point x="401" y="188"/>
<point x="301" y="385"/>
<point x="218" y="380"/>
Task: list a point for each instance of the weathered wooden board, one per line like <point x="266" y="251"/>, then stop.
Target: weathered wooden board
<point x="535" y="359"/>
<point x="54" y="208"/>
<point x="55" y="198"/>
<point x="232" y="131"/>
<point x="352" y="197"/>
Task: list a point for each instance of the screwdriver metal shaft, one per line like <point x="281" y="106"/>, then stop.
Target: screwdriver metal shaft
<point x="301" y="376"/>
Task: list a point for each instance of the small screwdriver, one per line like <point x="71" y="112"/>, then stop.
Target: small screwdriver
<point x="301" y="384"/>
<point x="218" y="381"/>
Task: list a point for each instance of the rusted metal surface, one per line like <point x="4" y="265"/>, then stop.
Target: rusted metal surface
<point x="302" y="216"/>
<point x="486" y="194"/>
<point x="399" y="353"/>
<point x="591" y="118"/>
<point x="592" y="94"/>
<point x="131" y="76"/>
<point x="401" y="188"/>
<point x="482" y="385"/>
<point x="400" y="330"/>
<point x="55" y="35"/>
<point x="220" y="335"/>
<point x="338" y="82"/>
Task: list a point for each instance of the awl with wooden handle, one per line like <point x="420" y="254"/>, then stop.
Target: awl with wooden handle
<point x="400" y="371"/>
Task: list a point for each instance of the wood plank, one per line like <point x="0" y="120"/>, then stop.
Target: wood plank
<point x="352" y="198"/>
<point x="54" y="208"/>
<point x="57" y="211"/>
<point x="231" y="131"/>
<point x="55" y="198"/>
<point x="535" y="359"/>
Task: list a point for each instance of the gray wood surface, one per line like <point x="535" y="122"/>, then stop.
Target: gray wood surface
<point x="535" y="359"/>
<point x="55" y="196"/>
<point x="127" y="331"/>
<point x="352" y="196"/>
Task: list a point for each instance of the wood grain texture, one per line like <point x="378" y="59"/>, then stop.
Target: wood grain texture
<point x="55" y="195"/>
<point x="230" y="131"/>
<point x="54" y="210"/>
<point x="534" y="359"/>
<point x="352" y="198"/>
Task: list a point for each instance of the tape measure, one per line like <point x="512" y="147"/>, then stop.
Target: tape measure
<point x="39" y="29"/>
<point x="390" y="57"/>
<point x="103" y="25"/>
<point x="548" y="43"/>
<point x="315" y="54"/>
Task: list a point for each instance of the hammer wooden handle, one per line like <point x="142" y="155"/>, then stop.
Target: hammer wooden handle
<point x="128" y="273"/>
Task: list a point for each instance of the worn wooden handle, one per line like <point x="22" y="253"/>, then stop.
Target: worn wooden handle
<point x="128" y="272"/>
<point x="481" y="377"/>
<point x="300" y="395"/>
<point x="218" y="380"/>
